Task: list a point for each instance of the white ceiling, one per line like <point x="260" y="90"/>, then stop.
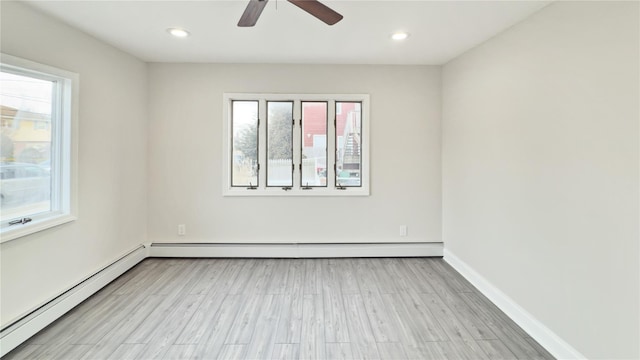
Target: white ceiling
<point x="440" y="30"/>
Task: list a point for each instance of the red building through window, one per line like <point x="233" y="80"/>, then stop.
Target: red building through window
<point x="347" y="139"/>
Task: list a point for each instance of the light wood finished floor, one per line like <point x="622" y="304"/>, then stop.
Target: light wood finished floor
<point x="415" y="308"/>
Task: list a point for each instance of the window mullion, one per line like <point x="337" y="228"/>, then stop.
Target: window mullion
<point x="331" y="145"/>
<point x="262" y="143"/>
<point x="296" y="143"/>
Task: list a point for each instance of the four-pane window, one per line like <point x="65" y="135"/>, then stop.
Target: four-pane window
<point x="296" y="144"/>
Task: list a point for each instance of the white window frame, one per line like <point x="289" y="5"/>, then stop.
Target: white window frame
<point x="64" y="147"/>
<point x="262" y="190"/>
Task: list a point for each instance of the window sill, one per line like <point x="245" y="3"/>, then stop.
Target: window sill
<point x="270" y="192"/>
<point x="19" y="231"/>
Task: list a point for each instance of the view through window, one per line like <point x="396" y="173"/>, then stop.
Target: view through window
<point x="37" y="152"/>
<point x="244" y="121"/>
<point x="302" y="144"/>
<point x="26" y="107"/>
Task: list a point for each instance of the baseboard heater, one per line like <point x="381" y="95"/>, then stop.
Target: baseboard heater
<point x="298" y="250"/>
<point x="30" y="324"/>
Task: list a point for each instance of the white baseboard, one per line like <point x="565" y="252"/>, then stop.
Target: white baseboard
<point x="559" y="348"/>
<point x="28" y="326"/>
<point x="318" y="250"/>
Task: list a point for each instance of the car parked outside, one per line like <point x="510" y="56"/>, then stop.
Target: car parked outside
<point x="23" y="184"/>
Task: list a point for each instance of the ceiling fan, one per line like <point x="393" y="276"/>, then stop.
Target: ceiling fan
<point x="313" y="7"/>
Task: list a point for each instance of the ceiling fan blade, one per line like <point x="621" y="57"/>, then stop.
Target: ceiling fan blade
<point x="319" y="10"/>
<point x="252" y="13"/>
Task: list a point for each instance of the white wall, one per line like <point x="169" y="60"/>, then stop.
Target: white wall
<point x="540" y="175"/>
<point x="186" y="153"/>
<point x="540" y="164"/>
<point x="112" y="162"/>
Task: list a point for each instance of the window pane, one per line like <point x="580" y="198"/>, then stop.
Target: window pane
<point x="348" y="143"/>
<point x="244" y="171"/>
<point x="279" y="143"/>
<point x="314" y="144"/>
<point x="26" y="107"/>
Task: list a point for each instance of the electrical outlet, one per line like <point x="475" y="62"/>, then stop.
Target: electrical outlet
<point x="403" y="230"/>
<point x="182" y="229"/>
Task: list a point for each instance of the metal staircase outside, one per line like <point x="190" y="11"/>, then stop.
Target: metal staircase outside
<point x="351" y="152"/>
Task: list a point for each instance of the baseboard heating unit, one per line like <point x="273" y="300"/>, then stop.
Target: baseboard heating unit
<point x="30" y="324"/>
<point x="300" y="250"/>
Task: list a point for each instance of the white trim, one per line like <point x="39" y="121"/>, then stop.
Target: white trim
<point x="262" y="189"/>
<point x="559" y="348"/>
<point x="35" y="226"/>
<point x="316" y="250"/>
<point x="23" y="329"/>
<point x="64" y="150"/>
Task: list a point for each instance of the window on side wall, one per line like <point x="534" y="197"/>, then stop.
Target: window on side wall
<point x="296" y="145"/>
<point x="37" y="109"/>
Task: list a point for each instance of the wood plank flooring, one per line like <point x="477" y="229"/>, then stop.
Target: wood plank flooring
<point x="400" y="308"/>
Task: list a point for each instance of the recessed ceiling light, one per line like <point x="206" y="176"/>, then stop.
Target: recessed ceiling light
<point x="178" y="32"/>
<point x="400" y="36"/>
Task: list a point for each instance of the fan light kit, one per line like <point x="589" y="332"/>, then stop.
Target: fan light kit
<point x="177" y="32"/>
<point x="313" y="7"/>
<point x="399" y="36"/>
